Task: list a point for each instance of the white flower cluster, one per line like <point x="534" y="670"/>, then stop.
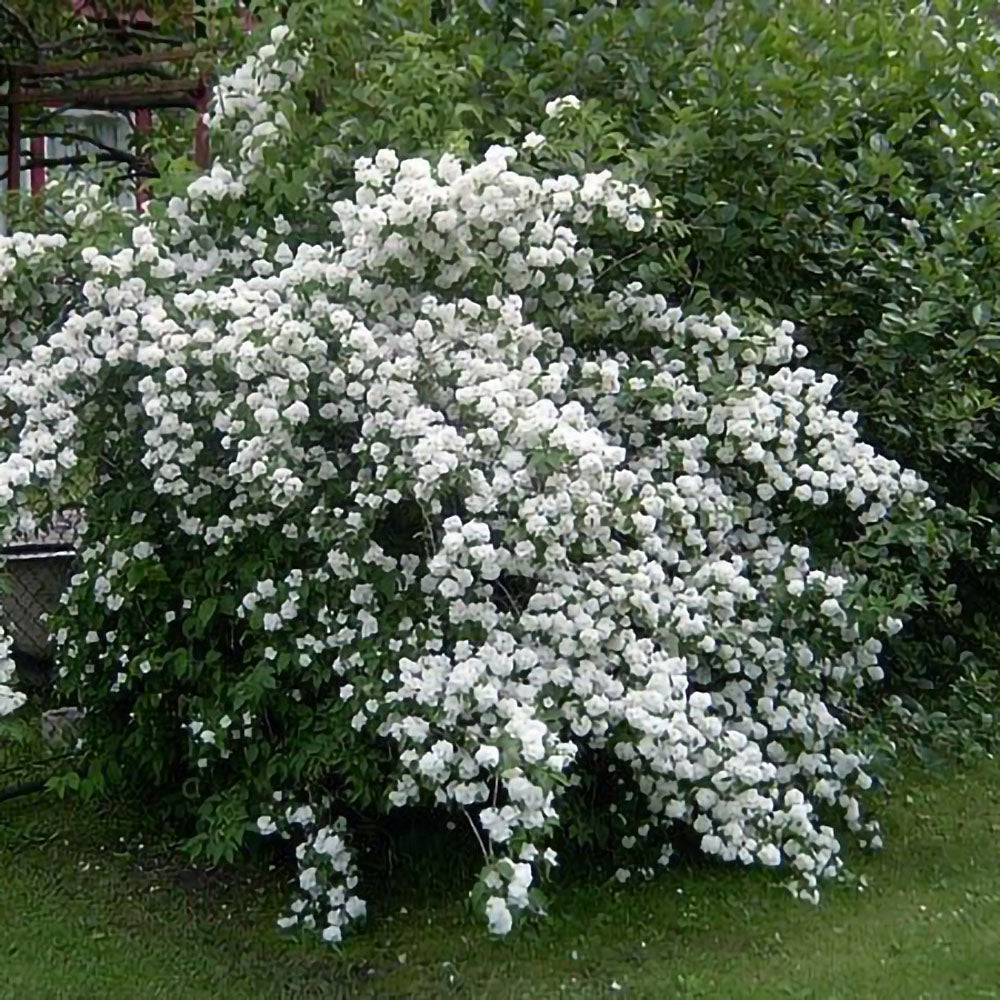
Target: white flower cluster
<point x="25" y="247"/>
<point x="500" y="555"/>
<point x="248" y="108"/>
<point x="328" y="876"/>
<point x="10" y="699"/>
<point x="24" y="257"/>
<point x="560" y="105"/>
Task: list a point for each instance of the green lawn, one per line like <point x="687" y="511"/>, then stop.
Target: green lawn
<point x="84" y="923"/>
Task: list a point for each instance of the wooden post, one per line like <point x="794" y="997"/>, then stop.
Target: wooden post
<point x="143" y="125"/>
<point x="202" y="148"/>
<point x="37" y="168"/>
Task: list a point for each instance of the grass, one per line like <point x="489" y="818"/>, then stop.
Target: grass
<point x="82" y="921"/>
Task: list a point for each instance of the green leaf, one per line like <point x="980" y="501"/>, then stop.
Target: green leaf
<point x="206" y="610"/>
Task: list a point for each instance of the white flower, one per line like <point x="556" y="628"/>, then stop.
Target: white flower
<point x="769" y="855"/>
<point x="556" y="107"/>
<point x="487" y="756"/>
<point x="498" y="916"/>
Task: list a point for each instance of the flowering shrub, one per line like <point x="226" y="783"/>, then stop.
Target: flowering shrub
<point x="365" y="527"/>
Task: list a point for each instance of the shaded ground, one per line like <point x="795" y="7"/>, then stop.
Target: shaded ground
<point x="82" y="922"/>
